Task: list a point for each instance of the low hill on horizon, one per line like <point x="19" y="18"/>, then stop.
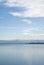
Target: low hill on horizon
<point x="21" y="41"/>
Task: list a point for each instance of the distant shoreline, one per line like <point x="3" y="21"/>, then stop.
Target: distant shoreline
<point x="20" y="43"/>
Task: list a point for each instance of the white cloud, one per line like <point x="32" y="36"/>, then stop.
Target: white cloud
<point x="27" y="21"/>
<point x="35" y="8"/>
<point x="15" y="14"/>
<point x="29" y="34"/>
<point x="10" y="3"/>
<point x="30" y="30"/>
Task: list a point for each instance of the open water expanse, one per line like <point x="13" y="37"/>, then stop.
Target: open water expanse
<point x="22" y="54"/>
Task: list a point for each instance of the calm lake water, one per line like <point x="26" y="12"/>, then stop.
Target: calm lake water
<point x="22" y="54"/>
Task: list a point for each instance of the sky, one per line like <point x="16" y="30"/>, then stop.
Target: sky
<point x="21" y="19"/>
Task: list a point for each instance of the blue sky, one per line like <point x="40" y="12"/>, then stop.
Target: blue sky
<point x="21" y="19"/>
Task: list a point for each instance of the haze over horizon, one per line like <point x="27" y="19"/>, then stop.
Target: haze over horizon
<point x="21" y="20"/>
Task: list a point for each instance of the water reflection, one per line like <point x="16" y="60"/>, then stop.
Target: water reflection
<point x="22" y="55"/>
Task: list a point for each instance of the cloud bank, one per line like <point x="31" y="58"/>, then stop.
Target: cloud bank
<point x="35" y="8"/>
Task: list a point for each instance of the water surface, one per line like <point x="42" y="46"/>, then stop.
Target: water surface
<point x="22" y="54"/>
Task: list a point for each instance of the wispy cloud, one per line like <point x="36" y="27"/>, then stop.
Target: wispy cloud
<point x="27" y="21"/>
<point x="37" y="34"/>
<point x="15" y="14"/>
<point x="32" y="8"/>
<point x="35" y="8"/>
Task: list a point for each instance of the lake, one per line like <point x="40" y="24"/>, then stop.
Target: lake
<point x="22" y="54"/>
